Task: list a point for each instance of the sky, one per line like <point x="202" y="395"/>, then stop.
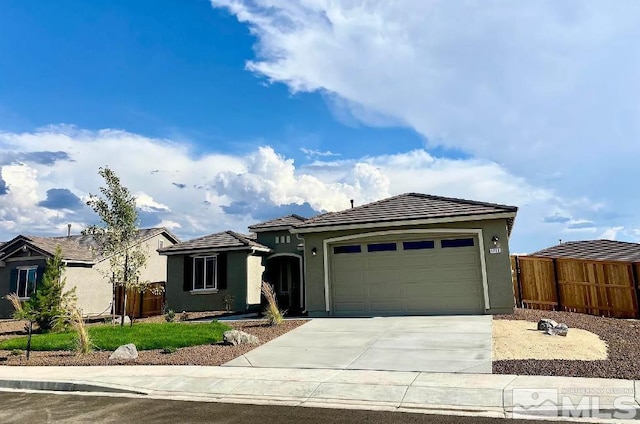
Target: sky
<point x="220" y="114"/>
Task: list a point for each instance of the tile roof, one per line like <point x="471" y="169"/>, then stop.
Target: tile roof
<point x="408" y="206"/>
<point x="599" y="250"/>
<point x="78" y="248"/>
<point x="283" y="221"/>
<point x="223" y="240"/>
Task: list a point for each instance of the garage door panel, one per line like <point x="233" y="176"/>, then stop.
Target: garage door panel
<point x="386" y="306"/>
<point x="350" y="307"/>
<point x="356" y="291"/>
<point x="417" y="281"/>
<point x="384" y="291"/>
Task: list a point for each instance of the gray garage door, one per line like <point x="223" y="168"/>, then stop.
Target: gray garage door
<point x="406" y="276"/>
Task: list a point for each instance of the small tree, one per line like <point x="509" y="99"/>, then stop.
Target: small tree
<point x="118" y="238"/>
<point x="50" y="301"/>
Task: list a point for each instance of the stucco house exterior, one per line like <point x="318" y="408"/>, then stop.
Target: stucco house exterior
<point x="412" y="254"/>
<point x="23" y="260"/>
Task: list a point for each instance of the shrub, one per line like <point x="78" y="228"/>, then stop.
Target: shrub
<point x="272" y="312"/>
<point x="169" y="315"/>
<point x="184" y="316"/>
<point x="169" y="350"/>
<point x="16" y="352"/>
<point x="83" y="344"/>
<point x="227" y="301"/>
<point x="50" y="300"/>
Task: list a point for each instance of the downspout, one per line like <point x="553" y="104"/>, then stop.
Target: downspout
<point x="303" y="270"/>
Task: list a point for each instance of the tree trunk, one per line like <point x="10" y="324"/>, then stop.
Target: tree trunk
<point x="29" y="331"/>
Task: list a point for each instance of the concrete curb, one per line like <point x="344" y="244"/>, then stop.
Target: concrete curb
<point x="485" y="395"/>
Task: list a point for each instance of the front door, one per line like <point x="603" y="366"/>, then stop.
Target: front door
<point x="284" y="274"/>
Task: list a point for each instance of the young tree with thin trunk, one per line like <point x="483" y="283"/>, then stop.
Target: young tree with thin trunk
<point x="118" y="239"/>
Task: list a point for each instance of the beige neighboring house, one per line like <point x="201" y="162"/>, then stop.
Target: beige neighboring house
<point x="23" y="261"/>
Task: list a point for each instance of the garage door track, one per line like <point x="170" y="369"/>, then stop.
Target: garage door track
<point x="459" y="344"/>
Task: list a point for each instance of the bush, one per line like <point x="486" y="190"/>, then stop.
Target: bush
<point x="272" y="312"/>
<point x="184" y="316"/>
<point x="169" y="350"/>
<point x="227" y="301"/>
<point x="170" y="315"/>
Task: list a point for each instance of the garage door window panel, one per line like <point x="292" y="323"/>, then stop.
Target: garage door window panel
<point x="418" y="245"/>
<point x="354" y="248"/>
<point x="382" y="247"/>
<point x="460" y="242"/>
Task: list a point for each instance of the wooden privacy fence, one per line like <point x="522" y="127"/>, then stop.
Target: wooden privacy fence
<point x="141" y="305"/>
<point x="601" y="288"/>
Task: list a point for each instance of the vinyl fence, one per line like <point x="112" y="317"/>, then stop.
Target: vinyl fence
<point x="591" y="287"/>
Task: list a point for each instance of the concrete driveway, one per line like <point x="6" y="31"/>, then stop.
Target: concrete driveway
<point x="431" y="344"/>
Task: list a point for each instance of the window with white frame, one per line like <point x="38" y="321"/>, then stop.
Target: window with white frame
<point x="277" y="239"/>
<point x="204" y="273"/>
<point x="288" y="239"/>
<point x="26" y="283"/>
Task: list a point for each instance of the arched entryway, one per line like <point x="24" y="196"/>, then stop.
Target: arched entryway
<point x="284" y="272"/>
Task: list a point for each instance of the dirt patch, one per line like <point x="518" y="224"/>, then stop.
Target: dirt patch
<point x="621" y="335"/>
<point x="514" y="339"/>
<point x="196" y="355"/>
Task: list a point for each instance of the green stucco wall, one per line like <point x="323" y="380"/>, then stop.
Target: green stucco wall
<point x="498" y="266"/>
<point x="268" y="238"/>
<point x="180" y="300"/>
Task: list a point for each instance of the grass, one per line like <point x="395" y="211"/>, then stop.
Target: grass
<point x="145" y="336"/>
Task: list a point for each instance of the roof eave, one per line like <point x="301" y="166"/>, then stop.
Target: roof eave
<point x="404" y="222"/>
<point x="174" y="252"/>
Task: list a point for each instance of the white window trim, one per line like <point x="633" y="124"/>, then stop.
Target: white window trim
<point x="27" y="269"/>
<point x="205" y="289"/>
<point x="288" y="238"/>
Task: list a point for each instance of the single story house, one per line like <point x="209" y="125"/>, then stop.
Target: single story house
<point x="23" y="261"/>
<point x="412" y="254"/>
<point x="204" y="273"/>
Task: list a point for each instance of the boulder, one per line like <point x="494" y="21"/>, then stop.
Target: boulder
<point x="546" y="323"/>
<point x="125" y="352"/>
<point x="558" y="330"/>
<point x="235" y="337"/>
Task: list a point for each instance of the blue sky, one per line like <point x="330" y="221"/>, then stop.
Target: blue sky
<point x="217" y="114"/>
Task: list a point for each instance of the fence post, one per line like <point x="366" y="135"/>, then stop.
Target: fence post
<point x="555" y="279"/>
<point x="518" y="280"/>
<point x="634" y="281"/>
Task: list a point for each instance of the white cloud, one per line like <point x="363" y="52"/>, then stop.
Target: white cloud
<point x="195" y="195"/>
<point x="543" y="91"/>
<point x="146" y="203"/>
<point x="611" y="233"/>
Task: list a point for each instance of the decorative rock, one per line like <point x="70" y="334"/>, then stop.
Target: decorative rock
<point x="125" y="352"/>
<point x="546" y="323"/>
<point x="235" y="337"/>
<point x="558" y="330"/>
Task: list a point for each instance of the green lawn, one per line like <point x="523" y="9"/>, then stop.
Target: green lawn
<point x="145" y="336"/>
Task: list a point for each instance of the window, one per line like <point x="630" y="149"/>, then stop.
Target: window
<point x="347" y="249"/>
<point x="160" y="244"/>
<point x="416" y="245"/>
<point x="288" y="239"/>
<point x="277" y="239"/>
<point x="381" y="247"/>
<point x="26" y="283"/>
<point x="465" y="242"/>
<point x="204" y="273"/>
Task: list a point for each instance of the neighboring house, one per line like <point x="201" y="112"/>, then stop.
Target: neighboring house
<point x="412" y="254"/>
<point x="23" y="260"/>
<point x="202" y="272"/>
<point x="593" y="250"/>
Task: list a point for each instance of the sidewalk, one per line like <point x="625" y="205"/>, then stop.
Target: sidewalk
<point x="489" y="395"/>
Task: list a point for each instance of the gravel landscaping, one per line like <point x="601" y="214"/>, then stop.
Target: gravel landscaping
<point x="197" y="355"/>
<point x="621" y="335"/>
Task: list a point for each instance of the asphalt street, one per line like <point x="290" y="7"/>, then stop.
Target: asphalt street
<point x="64" y="408"/>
